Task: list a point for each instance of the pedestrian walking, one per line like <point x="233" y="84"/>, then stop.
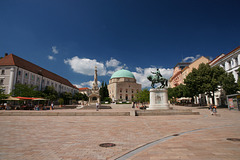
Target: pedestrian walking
<point x="211" y="108"/>
<point x="97" y="106"/>
<point x="214" y="109"/>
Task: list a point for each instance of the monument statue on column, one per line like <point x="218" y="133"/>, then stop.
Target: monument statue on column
<point x="94" y="95"/>
<point x="159" y="95"/>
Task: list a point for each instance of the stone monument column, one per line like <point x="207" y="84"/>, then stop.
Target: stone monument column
<point x="95" y="89"/>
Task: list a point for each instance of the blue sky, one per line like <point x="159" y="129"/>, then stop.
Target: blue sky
<point x="70" y="37"/>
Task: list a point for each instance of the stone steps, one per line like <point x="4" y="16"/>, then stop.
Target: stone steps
<point x="165" y="112"/>
<point x="39" y="113"/>
<point x="101" y="113"/>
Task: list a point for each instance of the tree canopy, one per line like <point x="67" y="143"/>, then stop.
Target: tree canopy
<point x="142" y="96"/>
<point x="207" y="80"/>
<point x="24" y="90"/>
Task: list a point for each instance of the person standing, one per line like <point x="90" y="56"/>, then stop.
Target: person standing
<point x="52" y="106"/>
<point x="97" y="106"/>
<point x="133" y="104"/>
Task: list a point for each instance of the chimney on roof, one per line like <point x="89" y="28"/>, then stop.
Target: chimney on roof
<point x="6" y="54"/>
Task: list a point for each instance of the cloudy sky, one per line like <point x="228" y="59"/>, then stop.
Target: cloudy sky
<point x="71" y="37"/>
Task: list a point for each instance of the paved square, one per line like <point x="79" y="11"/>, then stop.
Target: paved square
<point x="78" y="137"/>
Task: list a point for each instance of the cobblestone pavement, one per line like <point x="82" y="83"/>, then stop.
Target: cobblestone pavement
<point x="74" y="137"/>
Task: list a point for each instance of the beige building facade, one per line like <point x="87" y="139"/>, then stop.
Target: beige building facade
<point x="123" y="86"/>
<point x="181" y="70"/>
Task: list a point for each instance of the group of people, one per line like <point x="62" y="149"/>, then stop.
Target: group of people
<point x="213" y="109"/>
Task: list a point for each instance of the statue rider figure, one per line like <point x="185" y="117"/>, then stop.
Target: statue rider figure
<point x="158" y="74"/>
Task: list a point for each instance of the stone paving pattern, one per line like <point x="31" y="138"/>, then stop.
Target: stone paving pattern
<point x="78" y="137"/>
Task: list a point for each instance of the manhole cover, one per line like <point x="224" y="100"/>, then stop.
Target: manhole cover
<point x="175" y="134"/>
<point x="234" y="139"/>
<point x="107" y="145"/>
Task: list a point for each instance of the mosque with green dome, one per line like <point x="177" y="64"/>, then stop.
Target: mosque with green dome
<point x="123" y="86"/>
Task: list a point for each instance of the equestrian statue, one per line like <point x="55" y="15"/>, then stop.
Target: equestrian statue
<point x="157" y="78"/>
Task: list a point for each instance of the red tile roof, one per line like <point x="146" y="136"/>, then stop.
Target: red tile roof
<point x="82" y="89"/>
<point x="223" y="56"/>
<point x="13" y="60"/>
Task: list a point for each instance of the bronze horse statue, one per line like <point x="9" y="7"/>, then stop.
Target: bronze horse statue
<point x="157" y="78"/>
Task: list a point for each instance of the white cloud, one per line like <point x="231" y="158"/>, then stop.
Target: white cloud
<point x="88" y="84"/>
<point x="113" y="63"/>
<point x="86" y="66"/>
<point x="141" y="74"/>
<point x="191" y="59"/>
<point x="54" y="50"/>
<point x="50" y="57"/>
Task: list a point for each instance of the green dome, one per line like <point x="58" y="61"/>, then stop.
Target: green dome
<point x="122" y="73"/>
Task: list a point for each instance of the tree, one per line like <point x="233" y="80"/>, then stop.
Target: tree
<point x="142" y="96"/>
<point x="67" y="96"/>
<point x="50" y="93"/>
<point x="238" y="81"/>
<point x="207" y="80"/>
<point x="228" y="83"/>
<point x="212" y="80"/>
<point x="2" y="94"/>
<point x="193" y="84"/>
<point x="104" y="92"/>
<point x="80" y="96"/>
<point x="24" y="90"/>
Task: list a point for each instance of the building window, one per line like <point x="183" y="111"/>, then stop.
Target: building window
<point x="19" y="73"/>
<point x="32" y="77"/>
<point x="1" y="81"/>
<point x="26" y="75"/>
<point x="120" y="96"/>
<point x="236" y="62"/>
<point x="126" y="97"/>
<point x="120" y="90"/>
<point x="37" y="79"/>
<point x="3" y="72"/>
<point x="132" y="91"/>
<point x="126" y="91"/>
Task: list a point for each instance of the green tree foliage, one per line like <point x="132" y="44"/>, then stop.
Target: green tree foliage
<point x="228" y="83"/>
<point x="61" y="101"/>
<point x="50" y="93"/>
<point x="2" y="94"/>
<point x="142" y="96"/>
<point x="24" y="90"/>
<point x="193" y="83"/>
<point x="238" y="81"/>
<point x="207" y="80"/>
<point x="178" y="92"/>
<point x="80" y="96"/>
<point x="67" y="96"/>
<point x="104" y="92"/>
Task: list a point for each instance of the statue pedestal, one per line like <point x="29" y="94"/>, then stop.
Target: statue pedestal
<point x="158" y="99"/>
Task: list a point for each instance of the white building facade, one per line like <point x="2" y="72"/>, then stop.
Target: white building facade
<point x="230" y="63"/>
<point x="15" y="70"/>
